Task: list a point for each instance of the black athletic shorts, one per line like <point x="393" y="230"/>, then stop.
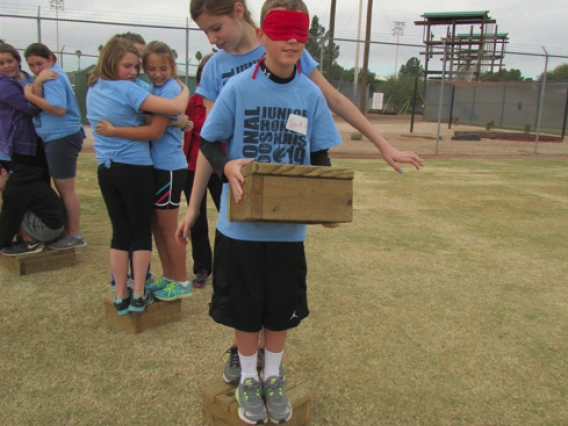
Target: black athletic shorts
<point x="169" y="186"/>
<point x="258" y="284"/>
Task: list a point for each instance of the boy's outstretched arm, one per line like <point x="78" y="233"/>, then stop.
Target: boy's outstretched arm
<point x="343" y="107"/>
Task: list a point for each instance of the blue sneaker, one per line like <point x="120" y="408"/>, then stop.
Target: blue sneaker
<point x="157" y="284"/>
<point x="122" y="305"/>
<point x="173" y="291"/>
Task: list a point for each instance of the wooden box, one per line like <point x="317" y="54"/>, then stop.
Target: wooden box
<point x="294" y="194"/>
<point x="155" y="315"/>
<point x="46" y="260"/>
<point x="220" y="404"/>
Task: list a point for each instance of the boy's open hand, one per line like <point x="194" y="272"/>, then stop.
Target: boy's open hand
<point x="235" y="176"/>
<point x="393" y="156"/>
<point x="105" y="128"/>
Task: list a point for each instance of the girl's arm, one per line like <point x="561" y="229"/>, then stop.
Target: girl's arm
<point x="152" y="131"/>
<point x="175" y="106"/>
<point x="203" y="172"/>
<point x="343" y="107"/>
<point x="41" y="102"/>
<point x="43" y="76"/>
<point x="12" y="96"/>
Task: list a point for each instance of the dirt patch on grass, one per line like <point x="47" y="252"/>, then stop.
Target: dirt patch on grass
<point x="396" y="129"/>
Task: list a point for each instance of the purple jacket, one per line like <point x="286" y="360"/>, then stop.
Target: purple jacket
<point x="17" y="132"/>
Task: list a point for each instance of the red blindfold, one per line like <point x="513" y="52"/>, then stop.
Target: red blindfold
<point x="286" y="25"/>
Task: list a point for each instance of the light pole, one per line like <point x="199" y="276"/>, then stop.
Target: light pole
<point x="398" y="30"/>
<point x="331" y="35"/>
<point x="356" y="76"/>
<point x="57" y="4"/>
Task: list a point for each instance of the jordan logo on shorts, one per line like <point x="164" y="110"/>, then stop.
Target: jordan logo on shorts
<point x="293" y="316"/>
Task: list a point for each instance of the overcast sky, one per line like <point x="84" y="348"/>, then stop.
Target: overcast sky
<point x="530" y="24"/>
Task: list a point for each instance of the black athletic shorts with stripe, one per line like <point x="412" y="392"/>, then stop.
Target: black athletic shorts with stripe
<point x="168" y="186"/>
<point x="258" y="284"/>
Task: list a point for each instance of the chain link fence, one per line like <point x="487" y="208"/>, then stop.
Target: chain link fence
<point x="536" y="105"/>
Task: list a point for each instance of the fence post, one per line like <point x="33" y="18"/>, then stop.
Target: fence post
<point x="541" y="102"/>
<point x="186" y="51"/>
<point x="565" y="118"/>
<point x="441" y="97"/>
<point x="39" y="24"/>
<point x="414" y="103"/>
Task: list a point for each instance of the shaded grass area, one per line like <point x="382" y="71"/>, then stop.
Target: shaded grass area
<point x="444" y="303"/>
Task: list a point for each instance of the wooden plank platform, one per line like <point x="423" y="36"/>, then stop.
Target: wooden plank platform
<point x="220" y="404"/>
<point x="47" y="260"/>
<point x="155" y="315"/>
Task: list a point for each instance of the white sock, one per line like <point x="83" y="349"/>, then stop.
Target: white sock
<point x="184" y="283"/>
<point x="272" y="363"/>
<point x="248" y="367"/>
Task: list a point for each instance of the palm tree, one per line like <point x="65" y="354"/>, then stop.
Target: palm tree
<point x="78" y="53"/>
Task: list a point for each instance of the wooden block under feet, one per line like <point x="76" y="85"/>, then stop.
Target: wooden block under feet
<point x="155" y="315"/>
<point x="46" y="260"/>
<point x="220" y="404"/>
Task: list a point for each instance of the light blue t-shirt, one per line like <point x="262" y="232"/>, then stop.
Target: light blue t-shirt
<point x="252" y="116"/>
<point x="223" y="65"/>
<point x="29" y="79"/>
<point x="141" y="83"/>
<point x="58" y="93"/>
<point x="167" y="151"/>
<point x="118" y="101"/>
<point x="4" y="157"/>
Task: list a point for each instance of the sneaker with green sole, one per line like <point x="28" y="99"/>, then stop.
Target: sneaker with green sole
<point x="173" y="291"/>
<point x="158" y="284"/>
<point x="277" y="406"/>
<point x="251" y="405"/>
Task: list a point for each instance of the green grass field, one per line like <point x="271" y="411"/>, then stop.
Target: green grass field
<point x="445" y="302"/>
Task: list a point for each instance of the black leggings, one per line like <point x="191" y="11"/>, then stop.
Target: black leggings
<point x="200" y="245"/>
<point x="128" y="192"/>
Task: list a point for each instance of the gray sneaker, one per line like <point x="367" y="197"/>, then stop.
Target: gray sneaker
<point x="277" y="405"/>
<point x="66" y="242"/>
<point x="251" y="405"/>
<point x="232" y="370"/>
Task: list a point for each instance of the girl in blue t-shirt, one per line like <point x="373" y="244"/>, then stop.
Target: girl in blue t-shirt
<point x="229" y="26"/>
<point x="59" y="125"/>
<point x="126" y="175"/>
<point x="170" y="171"/>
